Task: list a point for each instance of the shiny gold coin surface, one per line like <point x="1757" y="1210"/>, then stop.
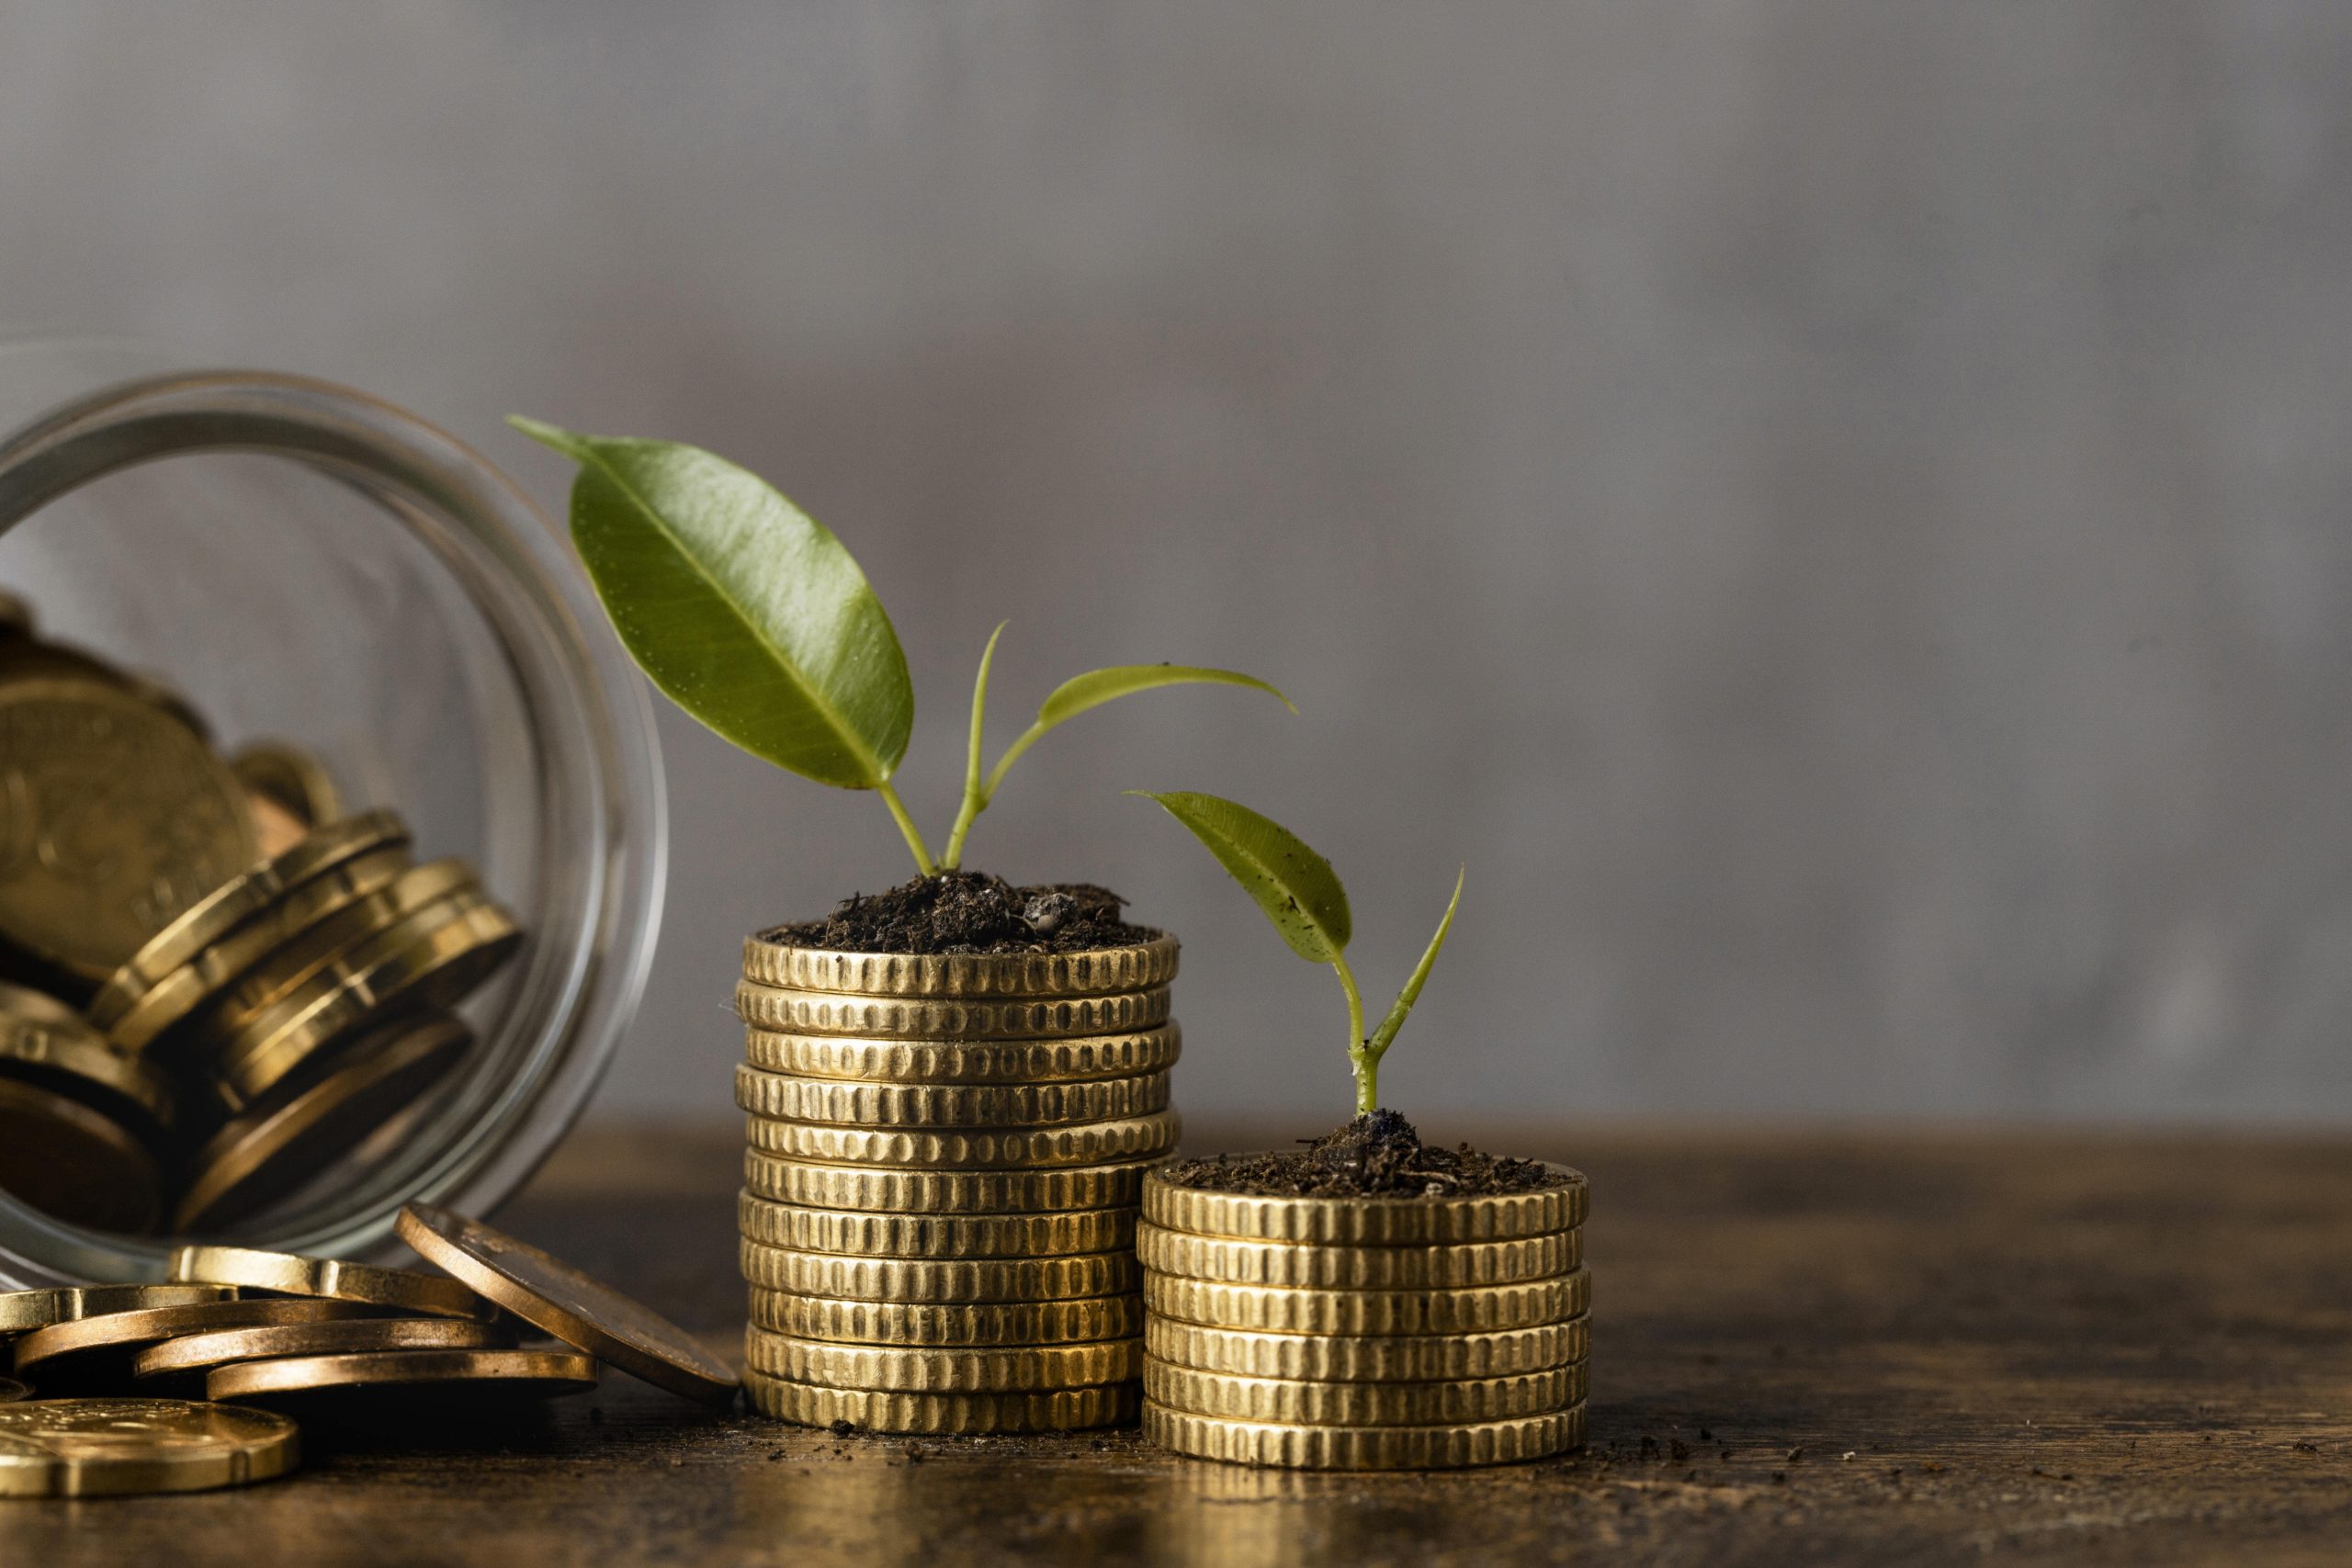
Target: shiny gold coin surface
<point x="116" y="818"/>
<point x="818" y="1012"/>
<point x="938" y="1279"/>
<point x="21" y="1311"/>
<point x="41" y="1352"/>
<point x="935" y="1062"/>
<point x="576" y="1309"/>
<point x="1456" y="1402"/>
<point x="275" y="829"/>
<point x="309" y="942"/>
<point x="102" y="1448"/>
<point x="1475" y="1309"/>
<point x="12" y="1391"/>
<point x="998" y="1323"/>
<point x="431" y="960"/>
<point x="783" y="1098"/>
<point x="874" y="1189"/>
<point x="1068" y="1410"/>
<point x="289" y="778"/>
<point x="537" y="1374"/>
<point x="771" y="959"/>
<point x="284" y="1274"/>
<point x="1316" y="1266"/>
<point x="75" y="1163"/>
<point x="1082" y="1142"/>
<point x="347" y="1336"/>
<point x="44" y="1042"/>
<point x="1365" y="1447"/>
<point x="1369" y="1222"/>
<point x="1027" y="1368"/>
<point x="1403" y="1358"/>
<point x="933" y="1236"/>
<point x="259" y="1158"/>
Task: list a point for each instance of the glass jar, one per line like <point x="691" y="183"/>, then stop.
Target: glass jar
<point x="304" y="562"/>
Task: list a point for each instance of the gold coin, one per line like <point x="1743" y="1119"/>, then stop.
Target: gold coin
<point x="269" y="1152"/>
<point x="75" y="1163"/>
<point x="193" y="994"/>
<point x="46" y="1042"/>
<point x="818" y="1012"/>
<point x="1403" y="1357"/>
<point x="99" y="1447"/>
<point x="1019" y="1062"/>
<point x="933" y="1236"/>
<point x="1369" y="1221"/>
<point x="12" y="1391"/>
<point x="284" y="1274"/>
<point x="433" y="960"/>
<point x="15" y="615"/>
<point x="784" y="1099"/>
<point x="1365" y="1447"/>
<point x="224" y="909"/>
<point x="560" y="1299"/>
<point x="1475" y="1309"/>
<point x="275" y="829"/>
<point x="1081" y="1143"/>
<point x="113" y="818"/>
<point x="21" y="1311"/>
<point x="1002" y="1323"/>
<point x="876" y="1189"/>
<point x="73" y="1347"/>
<point x="1020" y="1369"/>
<point x="538" y="1375"/>
<point x="1456" y="1401"/>
<point x="1067" y="1410"/>
<point x="1314" y="1266"/>
<point x="770" y="959"/>
<point x="345" y="1337"/>
<point x="942" y="1280"/>
<point x="290" y="779"/>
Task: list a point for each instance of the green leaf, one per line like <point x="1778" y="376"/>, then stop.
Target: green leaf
<point x="751" y="616"/>
<point x="1412" y="991"/>
<point x="1096" y="687"/>
<point x="1295" y="886"/>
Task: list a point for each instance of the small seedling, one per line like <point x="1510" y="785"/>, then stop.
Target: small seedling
<point x="1301" y="894"/>
<point x="756" y="620"/>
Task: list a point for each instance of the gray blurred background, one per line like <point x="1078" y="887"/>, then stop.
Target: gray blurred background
<point x="1836" y="513"/>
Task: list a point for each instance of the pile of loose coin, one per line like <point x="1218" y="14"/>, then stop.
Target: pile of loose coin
<point x="277" y="1337"/>
<point x="212" y="983"/>
<point x="941" y="1186"/>
<point x="1365" y="1334"/>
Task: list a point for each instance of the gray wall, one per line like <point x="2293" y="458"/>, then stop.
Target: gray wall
<point x="1835" y="512"/>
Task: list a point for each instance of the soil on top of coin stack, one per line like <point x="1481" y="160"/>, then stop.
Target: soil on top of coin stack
<point x="970" y="912"/>
<point x="1378" y="1155"/>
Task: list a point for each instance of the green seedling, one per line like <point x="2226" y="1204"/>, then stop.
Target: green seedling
<point x="1301" y="894"/>
<point x="753" y="617"/>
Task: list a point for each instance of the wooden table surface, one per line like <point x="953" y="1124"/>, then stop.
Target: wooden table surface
<point x="1829" y="1347"/>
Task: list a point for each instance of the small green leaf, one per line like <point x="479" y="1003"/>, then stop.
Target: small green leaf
<point x="1412" y="991"/>
<point x="751" y="616"/>
<point x="1095" y="688"/>
<point x="1295" y="886"/>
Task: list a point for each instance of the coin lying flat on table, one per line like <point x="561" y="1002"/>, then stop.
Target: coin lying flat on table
<point x="1293" y="1447"/>
<point x="21" y="1311"/>
<point x="1010" y="1369"/>
<point x="98" y="1448"/>
<point x="347" y="1336"/>
<point x="1323" y="1267"/>
<point x="933" y="1236"/>
<point x="787" y="1098"/>
<point x="973" y="1325"/>
<point x="941" y="1280"/>
<point x="809" y="1013"/>
<point x="284" y="1274"/>
<point x="560" y="1299"/>
<point x="1402" y="1358"/>
<point x="1475" y="1309"/>
<point x="76" y="1163"/>
<point x="1061" y="1411"/>
<point x="56" y="1352"/>
<point x="770" y="958"/>
<point x="1082" y="1142"/>
<point x="874" y="1189"/>
<point x="543" y="1374"/>
<point x="937" y="1062"/>
<point x="1369" y="1221"/>
<point x="1454" y="1402"/>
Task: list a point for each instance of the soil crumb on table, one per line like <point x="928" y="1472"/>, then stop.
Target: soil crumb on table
<point x="1378" y="1155"/>
<point x="972" y="912"/>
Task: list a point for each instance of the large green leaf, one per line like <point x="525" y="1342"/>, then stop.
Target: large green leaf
<point x="748" y="612"/>
<point x="1296" y="888"/>
<point x="1095" y="688"/>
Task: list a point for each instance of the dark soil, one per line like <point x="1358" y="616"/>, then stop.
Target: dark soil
<point x="968" y="911"/>
<point x="1379" y="1155"/>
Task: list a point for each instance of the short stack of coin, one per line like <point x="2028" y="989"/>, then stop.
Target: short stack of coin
<point x="945" y="1156"/>
<point x="1364" y="1332"/>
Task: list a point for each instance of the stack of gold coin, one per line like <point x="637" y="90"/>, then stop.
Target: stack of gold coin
<point x="945" y="1156"/>
<point x="1323" y="1333"/>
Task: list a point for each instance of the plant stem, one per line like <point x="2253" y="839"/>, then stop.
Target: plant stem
<point x="976" y="793"/>
<point x="906" y="826"/>
<point x="1029" y="737"/>
<point x="1361" y="1055"/>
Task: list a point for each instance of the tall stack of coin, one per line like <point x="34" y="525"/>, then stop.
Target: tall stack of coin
<point x="1364" y="1332"/>
<point x="945" y="1156"/>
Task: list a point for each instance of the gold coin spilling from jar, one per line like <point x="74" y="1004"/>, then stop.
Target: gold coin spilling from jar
<point x="215" y="982"/>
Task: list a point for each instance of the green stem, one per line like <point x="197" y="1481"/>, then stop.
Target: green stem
<point x="1361" y="1055"/>
<point x="906" y="826"/>
<point x="1029" y="737"/>
<point x="976" y="793"/>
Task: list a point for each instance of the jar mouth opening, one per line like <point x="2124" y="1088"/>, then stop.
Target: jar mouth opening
<point x="559" y="786"/>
